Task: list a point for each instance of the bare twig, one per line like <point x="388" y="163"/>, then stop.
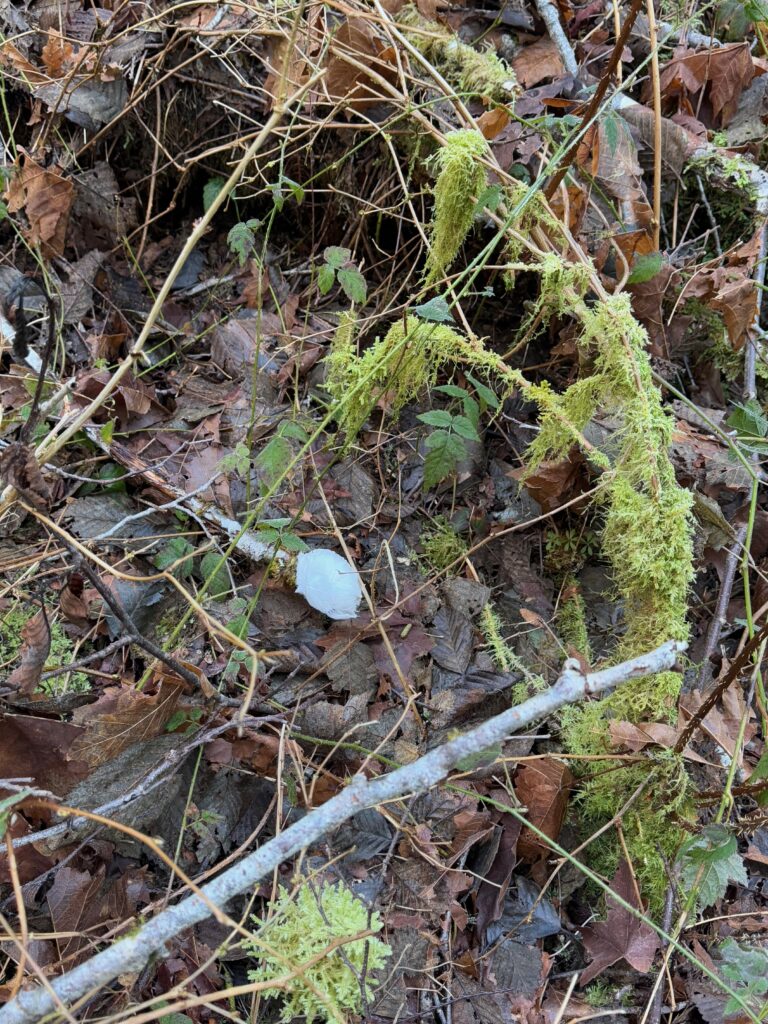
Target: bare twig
<point x="132" y="952"/>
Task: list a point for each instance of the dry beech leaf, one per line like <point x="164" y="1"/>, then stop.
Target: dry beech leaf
<point x="536" y="62"/>
<point x="36" y="635"/>
<point x="46" y="198"/>
<point x="492" y="122"/>
<point x="57" y="55"/>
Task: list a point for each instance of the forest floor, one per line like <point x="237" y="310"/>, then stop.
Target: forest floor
<point x="373" y="373"/>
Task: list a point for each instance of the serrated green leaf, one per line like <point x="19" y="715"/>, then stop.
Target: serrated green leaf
<point x="326" y="276"/>
<point x="442" y="458"/>
<point x="211" y="189"/>
<point x="216" y="574"/>
<point x="452" y="389"/>
<point x="436" y="418"/>
<point x="464" y="427"/>
<point x="291" y="542"/>
<point x="471" y="411"/>
<point x="175" y="550"/>
<point x="645" y="267"/>
<point x="289" y="428"/>
<point x="709" y="862"/>
<point x="237" y="461"/>
<point x="746" y="970"/>
<point x="489" y="198"/>
<point x="436" y="311"/>
<point x="611" y="129"/>
<point x="336" y="256"/>
<point x="239" y="626"/>
<point x="242" y="241"/>
<point x="353" y="285"/>
<point x="273" y="458"/>
<point x="756" y="10"/>
<point x="749" y="420"/>
<point x="485" y="393"/>
<point x="273" y="524"/>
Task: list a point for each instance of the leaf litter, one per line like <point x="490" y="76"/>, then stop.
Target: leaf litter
<point x="228" y="521"/>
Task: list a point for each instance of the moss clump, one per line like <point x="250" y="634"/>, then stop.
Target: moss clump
<point x="478" y="73"/>
<point x="60" y="654"/>
<point x="571" y="619"/>
<point x="460" y="181"/>
<point x="441" y="545"/>
<point x="299" y="932"/>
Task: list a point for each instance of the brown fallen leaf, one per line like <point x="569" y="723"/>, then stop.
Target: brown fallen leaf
<point x="46" y="197"/>
<point x="536" y="62"/>
<point x="621" y="935"/>
<point x="543" y="787"/>
<point x="19" y="468"/>
<point x="36" y="635"/>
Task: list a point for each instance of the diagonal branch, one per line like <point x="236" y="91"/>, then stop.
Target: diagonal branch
<point x="132" y="952"/>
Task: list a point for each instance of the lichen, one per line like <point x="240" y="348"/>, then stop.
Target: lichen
<point x="298" y="931"/>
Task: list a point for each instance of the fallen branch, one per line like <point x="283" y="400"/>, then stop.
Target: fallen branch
<point x="131" y="953"/>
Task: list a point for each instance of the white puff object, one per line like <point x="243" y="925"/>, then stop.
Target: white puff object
<point x="328" y="583"/>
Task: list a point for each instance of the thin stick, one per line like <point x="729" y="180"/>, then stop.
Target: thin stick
<point x="656" y="84"/>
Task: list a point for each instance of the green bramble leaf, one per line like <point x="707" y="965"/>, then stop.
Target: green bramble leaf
<point x="178" y="549"/>
<point x="291" y="542"/>
<point x="436" y="311"/>
<point x="436" y="418"/>
<point x="336" y="256"/>
<point x="242" y="239"/>
<point x="237" y="461"/>
<point x="746" y="970"/>
<point x="444" y="452"/>
<point x="211" y="189"/>
<point x="710" y="860"/>
<point x="464" y="427"/>
<point x="353" y="285"/>
<point x="217" y="576"/>
<point x="453" y="390"/>
<point x="749" y="422"/>
<point x="471" y="410"/>
<point x="488" y="199"/>
<point x="485" y="393"/>
<point x="645" y="267"/>
<point x="756" y="10"/>
<point x="326" y="276"/>
<point x="273" y="524"/>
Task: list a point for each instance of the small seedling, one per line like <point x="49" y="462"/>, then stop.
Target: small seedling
<point x="339" y="266"/>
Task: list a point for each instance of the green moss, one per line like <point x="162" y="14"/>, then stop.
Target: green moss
<point x="460" y="181"/>
<point x="441" y="545"/>
<point x="478" y="73"/>
<point x="571" y="619"/>
<point x="298" y="931"/>
<point x="61" y="652"/>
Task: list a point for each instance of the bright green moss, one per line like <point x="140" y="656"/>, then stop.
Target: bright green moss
<point x="299" y="931"/>
<point x="460" y="181"/>
<point x="441" y="545"/>
<point x="571" y="619"/>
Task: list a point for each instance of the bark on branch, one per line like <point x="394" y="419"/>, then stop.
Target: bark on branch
<point x="131" y="953"/>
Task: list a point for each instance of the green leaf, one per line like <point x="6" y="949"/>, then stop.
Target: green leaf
<point x="480" y="759"/>
<point x="746" y="970"/>
<point x="336" y="256"/>
<point x="759" y="774"/>
<point x="485" y="393"/>
<point x="242" y="241"/>
<point x="353" y="285"/>
<point x="612" y="129"/>
<point x="489" y="198"/>
<point x="289" y="428"/>
<point x="442" y="458"/>
<point x="464" y="427"/>
<point x="436" y="311"/>
<point x="3" y="210"/>
<point x="713" y="859"/>
<point x="216" y="574"/>
<point x="271" y="461"/>
<point x="645" y="267"/>
<point x="176" y="549"/>
<point x="7" y="805"/>
<point x="107" y="431"/>
<point x="326" y="275"/>
<point x="471" y="411"/>
<point x="436" y="418"/>
<point x="749" y="420"/>
<point x="291" y="542"/>
<point x="294" y="188"/>
<point x="273" y="524"/>
<point x="756" y="10"/>
<point x="453" y="390"/>
<point x="237" y="461"/>
<point x="239" y="626"/>
<point x="211" y="189"/>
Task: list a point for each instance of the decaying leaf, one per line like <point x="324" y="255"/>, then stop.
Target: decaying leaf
<point x="46" y="197"/>
<point x="543" y="787"/>
<point x="36" y="635"/>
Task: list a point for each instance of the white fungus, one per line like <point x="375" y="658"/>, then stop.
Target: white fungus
<point x="328" y="583"/>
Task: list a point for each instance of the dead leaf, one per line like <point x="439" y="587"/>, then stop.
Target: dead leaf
<point x="536" y="62"/>
<point x="726" y="71"/>
<point x="492" y="122"/>
<point x="71" y="602"/>
<point x="19" y="468"/>
<point x="621" y="935"/>
<point x="57" y="54"/>
<point x="46" y="198"/>
<point x="36" y="635"/>
<point x="349" y="85"/>
<point x="543" y="787"/>
<point x="120" y="718"/>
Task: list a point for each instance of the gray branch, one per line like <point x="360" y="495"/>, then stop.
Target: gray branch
<point x="131" y="953"/>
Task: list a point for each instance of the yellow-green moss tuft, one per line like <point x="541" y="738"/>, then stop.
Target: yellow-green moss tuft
<point x="460" y="181"/>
